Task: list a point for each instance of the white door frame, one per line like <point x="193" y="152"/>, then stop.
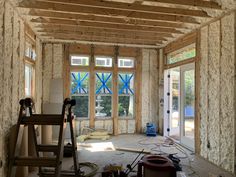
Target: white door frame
<point x="183" y="140"/>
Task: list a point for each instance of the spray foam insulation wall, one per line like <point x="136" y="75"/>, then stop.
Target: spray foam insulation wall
<point x="217" y="92"/>
<point x="11" y="73"/>
<point x="149" y="87"/>
<point x="52" y="66"/>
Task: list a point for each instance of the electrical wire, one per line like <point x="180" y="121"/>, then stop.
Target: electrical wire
<point x="168" y="142"/>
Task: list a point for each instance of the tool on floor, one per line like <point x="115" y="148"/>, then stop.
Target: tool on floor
<point x="27" y="118"/>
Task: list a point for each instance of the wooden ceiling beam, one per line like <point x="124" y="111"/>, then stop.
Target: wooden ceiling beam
<point x="131" y="7"/>
<point x="101" y="33"/>
<point x="102" y="25"/>
<point x="75" y="28"/>
<point x="100" y="39"/>
<point x="112" y="20"/>
<point x="194" y="3"/>
<point x="49" y="6"/>
<point x="94" y="37"/>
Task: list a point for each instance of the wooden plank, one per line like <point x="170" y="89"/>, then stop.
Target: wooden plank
<point x="138" y="92"/>
<point x="181" y="42"/>
<point x="102" y="39"/>
<point x="91" y="18"/>
<point x="30" y="161"/>
<point x="126" y="27"/>
<point x="194" y="3"/>
<point x="92" y="89"/>
<point x="131" y="7"/>
<point x="83" y="30"/>
<point x="66" y="72"/>
<point x="115" y="91"/>
<point x="103" y="50"/>
<point x="43" y="120"/>
<point x="107" y="12"/>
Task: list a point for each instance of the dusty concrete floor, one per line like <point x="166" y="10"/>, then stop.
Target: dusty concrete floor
<point x="101" y="153"/>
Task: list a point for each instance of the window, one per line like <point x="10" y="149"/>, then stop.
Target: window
<point x="185" y="53"/>
<point x="28" y="80"/>
<point x="79" y="60"/>
<point x="125" y="62"/>
<point x="80" y="92"/>
<point x="103" y="61"/>
<point x="30" y="51"/>
<point x="126" y="94"/>
<point x="29" y="59"/>
<point x="103" y="99"/>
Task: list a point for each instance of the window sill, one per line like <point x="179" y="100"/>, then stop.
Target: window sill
<point x="103" y="118"/>
<point x="126" y="118"/>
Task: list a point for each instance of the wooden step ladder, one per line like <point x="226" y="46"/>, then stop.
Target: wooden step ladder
<point x="27" y="118"/>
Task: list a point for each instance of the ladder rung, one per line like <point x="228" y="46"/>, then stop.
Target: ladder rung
<point x="52" y="148"/>
<point x="42" y="120"/>
<point x="36" y="162"/>
<point x="52" y="174"/>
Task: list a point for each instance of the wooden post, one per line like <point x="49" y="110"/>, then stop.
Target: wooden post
<point x="138" y="92"/>
<point x="197" y="95"/>
<point x="92" y="89"/>
<point x="66" y="72"/>
<point x="115" y="92"/>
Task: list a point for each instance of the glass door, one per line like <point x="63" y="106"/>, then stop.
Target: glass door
<point x="179" y="104"/>
<point x="187" y="105"/>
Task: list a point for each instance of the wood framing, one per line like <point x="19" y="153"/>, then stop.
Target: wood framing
<point x="112" y="51"/>
<point x="117" y="22"/>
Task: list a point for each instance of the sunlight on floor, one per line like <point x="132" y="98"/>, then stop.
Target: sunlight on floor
<point x="98" y="147"/>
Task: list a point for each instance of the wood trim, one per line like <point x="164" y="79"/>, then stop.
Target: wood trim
<point x="29" y="61"/>
<point x="168" y="66"/>
<point x="180" y="43"/>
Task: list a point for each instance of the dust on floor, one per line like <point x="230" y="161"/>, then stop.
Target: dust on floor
<point x="103" y="153"/>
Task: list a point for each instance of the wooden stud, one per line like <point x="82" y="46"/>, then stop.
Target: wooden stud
<point x="138" y="93"/>
<point x="115" y="101"/>
<point x="66" y="72"/>
<point x="92" y="96"/>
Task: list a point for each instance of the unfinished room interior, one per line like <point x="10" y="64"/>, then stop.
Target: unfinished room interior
<point x="118" y="88"/>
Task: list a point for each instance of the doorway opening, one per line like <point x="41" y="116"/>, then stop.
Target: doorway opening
<point x="180" y="104"/>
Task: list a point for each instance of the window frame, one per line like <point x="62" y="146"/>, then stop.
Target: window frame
<point x="79" y="70"/>
<point x="30" y="62"/>
<point x="134" y="108"/>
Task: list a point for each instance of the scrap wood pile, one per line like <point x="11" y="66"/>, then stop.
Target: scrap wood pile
<point x="88" y="133"/>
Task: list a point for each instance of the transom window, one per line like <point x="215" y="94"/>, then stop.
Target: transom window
<point x="185" y="53"/>
<point x="103" y="61"/>
<point x="103" y="88"/>
<point x="79" y="60"/>
<point x="125" y="62"/>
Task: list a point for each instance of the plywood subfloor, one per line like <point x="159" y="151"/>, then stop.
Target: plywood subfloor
<point x="101" y="153"/>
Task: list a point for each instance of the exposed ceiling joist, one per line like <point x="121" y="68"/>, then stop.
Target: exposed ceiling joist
<point x="130" y="7"/>
<point x="49" y="6"/>
<point x="125" y="27"/>
<point x="194" y="3"/>
<point x="69" y="29"/>
<point x="99" y="39"/>
<point x="112" y="20"/>
<point x="101" y="33"/>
